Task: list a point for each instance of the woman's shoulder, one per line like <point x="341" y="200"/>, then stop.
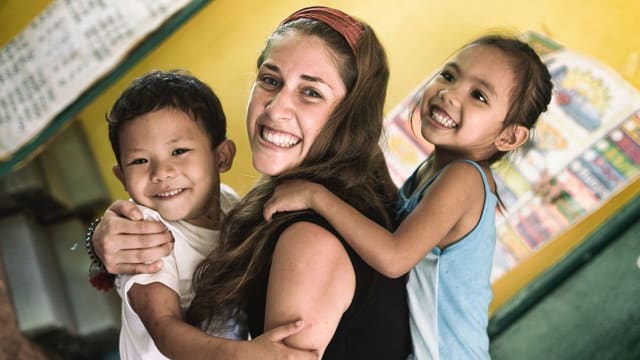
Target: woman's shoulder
<point x="311" y="233"/>
<point x="310" y="242"/>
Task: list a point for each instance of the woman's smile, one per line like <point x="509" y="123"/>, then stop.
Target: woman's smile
<point x="295" y="91"/>
<point x="278" y="138"/>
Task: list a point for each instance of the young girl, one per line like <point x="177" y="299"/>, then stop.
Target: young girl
<point x="480" y="106"/>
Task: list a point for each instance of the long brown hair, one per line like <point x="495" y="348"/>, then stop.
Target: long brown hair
<point x="345" y="157"/>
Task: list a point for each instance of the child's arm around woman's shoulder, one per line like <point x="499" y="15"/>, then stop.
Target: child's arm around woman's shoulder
<point x="450" y="208"/>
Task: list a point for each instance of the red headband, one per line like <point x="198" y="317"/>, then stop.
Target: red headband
<point x="345" y="25"/>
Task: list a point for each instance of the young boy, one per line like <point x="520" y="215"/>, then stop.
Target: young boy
<point x="168" y="133"/>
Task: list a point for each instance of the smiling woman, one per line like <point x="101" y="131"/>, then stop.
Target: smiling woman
<point x="291" y="102"/>
<point x="315" y="112"/>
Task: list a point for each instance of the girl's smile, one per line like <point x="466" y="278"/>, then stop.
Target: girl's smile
<point x="464" y="106"/>
<point x="440" y="117"/>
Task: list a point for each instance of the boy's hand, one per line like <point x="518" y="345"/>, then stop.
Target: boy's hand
<point x="273" y="341"/>
<point x="291" y="196"/>
<point x="128" y="245"/>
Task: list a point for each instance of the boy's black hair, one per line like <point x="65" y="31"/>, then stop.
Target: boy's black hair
<point x="175" y="89"/>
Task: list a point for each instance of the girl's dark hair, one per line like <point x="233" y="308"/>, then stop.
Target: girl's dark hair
<point x="533" y="88"/>
<point x="345" y="157"/>
<point x="175" y="89"/>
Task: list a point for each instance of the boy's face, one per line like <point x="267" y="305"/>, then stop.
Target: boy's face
<point x="167" y="164"/>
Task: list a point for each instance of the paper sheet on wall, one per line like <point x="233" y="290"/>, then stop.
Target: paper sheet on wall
<point x="64" y="51"/>
<point x="586" y="147"/>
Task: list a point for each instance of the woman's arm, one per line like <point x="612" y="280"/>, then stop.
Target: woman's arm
<point x="449" y="209"/>
<point x="159" y="309"/>
<point x="311" y="278"/>
<point x="127" y="244"/>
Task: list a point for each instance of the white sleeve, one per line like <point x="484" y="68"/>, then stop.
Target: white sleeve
<point x="167" y="275"/>
<point x="228" y="198"/>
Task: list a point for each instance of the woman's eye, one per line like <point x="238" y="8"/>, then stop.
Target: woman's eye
<point x="179" y="151"/>
<point x="269" y="81"/>
<point x="312" y="93"/>
<point x="479" y="96"/>
<point x="138" y="162"/>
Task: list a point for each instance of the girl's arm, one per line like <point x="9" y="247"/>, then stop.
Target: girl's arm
<point x="311" y="278"/>
<point x="159" y="309"/>
<point x="449" y="209"/>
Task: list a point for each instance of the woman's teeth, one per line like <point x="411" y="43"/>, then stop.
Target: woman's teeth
<point x="279" y="138"/>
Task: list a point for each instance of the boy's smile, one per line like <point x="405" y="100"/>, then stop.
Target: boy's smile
<point x="168" y="165"/>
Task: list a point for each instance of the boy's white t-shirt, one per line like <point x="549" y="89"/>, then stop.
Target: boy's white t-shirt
<point x="192" y="245"/>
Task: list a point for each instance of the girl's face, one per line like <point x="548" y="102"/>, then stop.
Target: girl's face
<point x="168" y="165"/>
<point x="464" y="106"/>
<point x="296" y="89"/>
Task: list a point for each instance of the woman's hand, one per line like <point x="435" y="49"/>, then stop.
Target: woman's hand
<point x="291" y="196"/>
<point x="126" y="244"/>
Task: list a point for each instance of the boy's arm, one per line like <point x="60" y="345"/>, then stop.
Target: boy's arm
<point x="159" y="309"/>
<point x="436" y="221"/>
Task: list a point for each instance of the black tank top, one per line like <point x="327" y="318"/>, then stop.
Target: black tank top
<point x="376" y="324"/>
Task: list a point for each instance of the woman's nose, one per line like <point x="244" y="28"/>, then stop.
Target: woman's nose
<point x="281" y="105"/>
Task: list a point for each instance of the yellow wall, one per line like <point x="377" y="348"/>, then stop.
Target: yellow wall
<point x="221" y="43"/>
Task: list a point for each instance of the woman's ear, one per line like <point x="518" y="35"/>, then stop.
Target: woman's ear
<point x="512" y="137"/>
<point x="117" y="171"/>
<point x="225" y="152"/>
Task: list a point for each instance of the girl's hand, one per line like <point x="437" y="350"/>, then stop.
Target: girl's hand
<point x="272" y="341"/>
<point x="291" y="196"/>
<point x="126" y="244"/>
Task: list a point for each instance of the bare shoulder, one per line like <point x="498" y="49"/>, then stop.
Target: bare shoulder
<point x="311" y="278"/>
<point x="313" y="257"/>
<point x="459" y="188"/>
<point x="308" y="239"/>
<point x="462" y="176"/>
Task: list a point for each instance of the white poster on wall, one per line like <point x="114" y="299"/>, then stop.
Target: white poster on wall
<point x="62" y="52"/>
